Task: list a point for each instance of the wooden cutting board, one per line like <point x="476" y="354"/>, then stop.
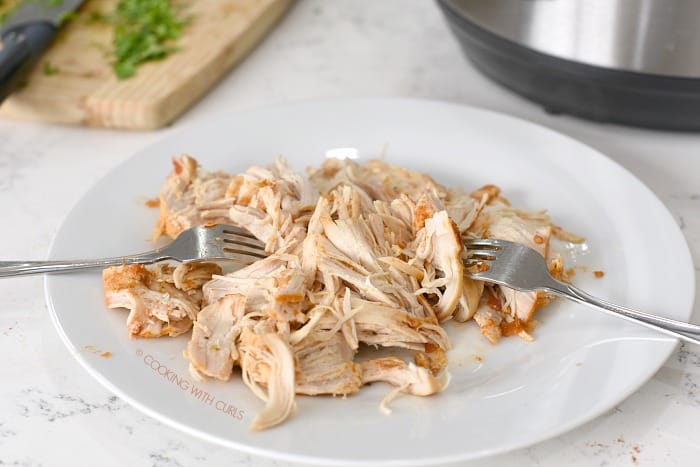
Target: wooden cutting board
<point x="85" y="90"/>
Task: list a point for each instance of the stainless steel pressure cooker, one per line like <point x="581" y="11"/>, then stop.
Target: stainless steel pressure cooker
<point x="634" y="62"/>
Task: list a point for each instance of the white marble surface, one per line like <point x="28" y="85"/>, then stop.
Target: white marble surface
<point x="53" y="414"/>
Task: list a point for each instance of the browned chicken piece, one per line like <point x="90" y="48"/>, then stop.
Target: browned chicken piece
<point x="533" y="229"/>
<point x="433" y="358"/>
<point x="185" y="193"/>
<point x="487" y="193"/>
<point x="157" y="307"/>
<point x="490" y="323"/>
<point x="288" y="297"/>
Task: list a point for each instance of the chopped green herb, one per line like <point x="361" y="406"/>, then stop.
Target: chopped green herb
<point x="50" y="3"/>
<point x="144" y="30"/>
<point x="49" y="69"/>
<point x="65" y="17"/>
<point x="9" y="8"/>
<point x="96" y="17"/>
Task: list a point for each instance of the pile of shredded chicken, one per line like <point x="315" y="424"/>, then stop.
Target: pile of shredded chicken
<point x="359" y="254"/>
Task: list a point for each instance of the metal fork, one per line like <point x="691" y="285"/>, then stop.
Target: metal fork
<point x="218" y="242"/>
<point x="519" y="267"/>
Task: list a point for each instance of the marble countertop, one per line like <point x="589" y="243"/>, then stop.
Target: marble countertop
<point x="52" y="413"/>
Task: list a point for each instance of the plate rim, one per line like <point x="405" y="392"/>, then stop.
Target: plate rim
<point x="670" y="344"/>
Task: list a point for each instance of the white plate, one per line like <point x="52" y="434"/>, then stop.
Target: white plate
<point x="581" y="364"/>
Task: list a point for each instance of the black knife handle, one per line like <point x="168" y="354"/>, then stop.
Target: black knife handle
<point x="21" y="47"/>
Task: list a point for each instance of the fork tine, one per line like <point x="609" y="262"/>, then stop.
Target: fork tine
<point x="239" y="244"/>
<point x="233" y="230"/>
<point x="245" y="241"/>
<point x="239" y="250"/>
<point x="482" y="254"/>
<point x="487" y="243"/>
<point x="244" y="246"/>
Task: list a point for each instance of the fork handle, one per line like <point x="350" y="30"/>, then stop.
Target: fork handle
<point x="685" y="331"/>
<point x="18" y="268"/>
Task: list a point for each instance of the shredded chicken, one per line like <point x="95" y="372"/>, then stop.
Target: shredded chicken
<point x="163" y="300"/>
<point x="359" y="255"/>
